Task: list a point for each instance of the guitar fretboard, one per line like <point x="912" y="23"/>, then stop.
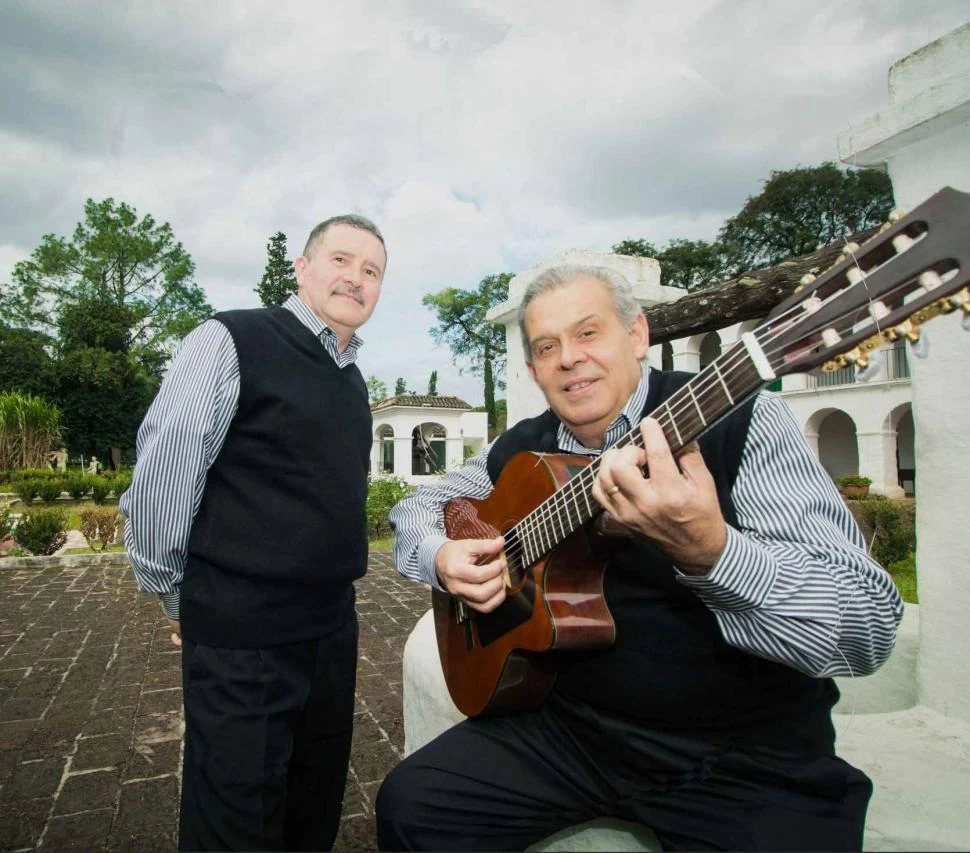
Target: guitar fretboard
<point x="685" y="415"/>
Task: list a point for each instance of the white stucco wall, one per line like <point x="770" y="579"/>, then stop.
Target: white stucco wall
<point x="924" y="138"/>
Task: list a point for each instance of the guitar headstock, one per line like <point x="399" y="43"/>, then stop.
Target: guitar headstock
<point x="913" y="270"/>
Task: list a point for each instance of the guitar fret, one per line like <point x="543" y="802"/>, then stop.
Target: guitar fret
<point x="727" y="391"/>
<point x="673" y="424"/>
<point x="693" y="396"/>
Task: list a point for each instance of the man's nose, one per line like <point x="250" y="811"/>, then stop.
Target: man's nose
<point x="569" y="354"/>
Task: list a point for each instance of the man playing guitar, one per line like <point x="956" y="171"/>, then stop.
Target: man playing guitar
<point x="743" y="586"/>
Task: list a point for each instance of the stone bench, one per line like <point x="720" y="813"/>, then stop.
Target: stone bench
<point x="881" y="730"/>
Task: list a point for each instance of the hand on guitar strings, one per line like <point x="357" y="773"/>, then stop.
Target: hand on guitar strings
<point x="481" y="587"/>
<point x="676" y="506"/>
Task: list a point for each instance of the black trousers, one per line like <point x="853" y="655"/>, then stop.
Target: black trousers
<point x="505" y="783"/>
<point x="267" y="743"/>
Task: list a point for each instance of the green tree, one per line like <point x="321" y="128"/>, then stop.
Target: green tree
<point x="433" y="384"/>
<point x="376" y="389"/>
<point x="400" y="387"/>
<point x="115" y="297"/>
<point x="113" y="259"/>
<point x="690" y="264"/>
<point x="801" y="210"/>
<point x="463" y="327"/>
<point x="26" y="364"/>
<point x="279" y="281"/>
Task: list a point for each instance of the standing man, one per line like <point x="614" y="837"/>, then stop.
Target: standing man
<point x="246" y="515"/>
<point x="745" y="587"/>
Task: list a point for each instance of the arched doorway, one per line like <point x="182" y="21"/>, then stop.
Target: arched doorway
<point x="838" y="444"/>
<point x="385" y="435"/>
<point x="428" y="449"/>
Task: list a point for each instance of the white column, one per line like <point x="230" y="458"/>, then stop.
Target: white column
<point x="811" y="436"/>
<point x="877" y="461"/>
<point x="402" y="456"/>
<point x="375" y="458"/>
<point x="686" y="355"/>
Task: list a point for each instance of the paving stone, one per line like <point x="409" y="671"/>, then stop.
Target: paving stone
<point x="88" y="792"/>
<point x="22" y="823"/>
<point x="32" y="780"/>
<point x="153" y="759"/>
<point x="101" y="751"/>
<point x="87" y="831"/>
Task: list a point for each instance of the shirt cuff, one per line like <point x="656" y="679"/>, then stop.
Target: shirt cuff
<point x="741" y="579"/>
<point x="170" y="604"/>
<point x="427" y="551"/>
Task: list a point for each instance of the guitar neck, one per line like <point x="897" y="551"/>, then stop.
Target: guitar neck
<point x="685" y="415"/>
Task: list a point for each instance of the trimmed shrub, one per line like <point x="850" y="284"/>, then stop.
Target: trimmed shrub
<point x="382" y="494"/>
<point x="6" y="520"/>
<point x="50" y="490"/>
<point x="889" y="527"/>
<point x="42" y="531"/>
<point x="100" y="527"/>
<point x="120" y="482"/>
<point x="100" y="486"/>
<point x="76" y="486"/>
<point x="27" y="489"/>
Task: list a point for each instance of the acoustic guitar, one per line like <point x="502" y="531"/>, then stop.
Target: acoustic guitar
<point x="913" y="270"/>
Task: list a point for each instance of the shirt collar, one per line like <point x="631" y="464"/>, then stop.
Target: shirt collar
<point x="624" y="422"/>
<point x="305" y="315"/>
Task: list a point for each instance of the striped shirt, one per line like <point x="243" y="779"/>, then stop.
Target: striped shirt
<point x="794" y="582"/>
<point x="179" y="439"/>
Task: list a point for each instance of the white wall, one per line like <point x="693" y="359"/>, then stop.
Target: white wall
<point x="924" y="137"/>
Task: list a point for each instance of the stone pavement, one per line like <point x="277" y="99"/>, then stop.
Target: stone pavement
<point x="90" y="709"/>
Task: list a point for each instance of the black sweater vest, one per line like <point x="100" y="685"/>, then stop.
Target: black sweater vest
<point x="670" y="667"/>
<point x="281" y="532"/>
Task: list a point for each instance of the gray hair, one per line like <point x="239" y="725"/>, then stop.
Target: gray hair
<point x="625" y="304"/>
<point x="351" y="219"/>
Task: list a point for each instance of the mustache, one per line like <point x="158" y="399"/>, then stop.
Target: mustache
<point x="350" y="290"/>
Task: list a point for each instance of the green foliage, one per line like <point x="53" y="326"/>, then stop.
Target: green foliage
<point x="433" y="384"/>
<point x="42" y="531"/>
<point x="120" y="481"/>
<point x="376" y="389"/>
<point x="29" y="427"/>
<point x="904" y="576"/>
<point x="50" y="490"/>
<point x="25" y="361"/>
<point x="77" y="486"/>
<point x="471" y="338"/>
<point x="400" y="387"/>
<point x="801" y="210"/>
<point x="116" y="295"/>
<point x="853" y="480"/>
<point x="279" y="281"/>
<point x="382" y="494"/>
<point x="100" y="527"/>
<point x="6" y="520"/>
<point x="100" y="487"/>
<point x="27" y="489"/>
<point x="890" y="527"/>
<point x="690" y="264"/>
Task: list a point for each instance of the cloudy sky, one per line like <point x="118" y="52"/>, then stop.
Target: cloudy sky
<point x="481" y="136"/>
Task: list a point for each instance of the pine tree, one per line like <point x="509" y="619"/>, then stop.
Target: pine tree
<point x="278" y="281"/>
<point x="433" y="384"/>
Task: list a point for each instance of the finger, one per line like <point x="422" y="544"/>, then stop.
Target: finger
<point x="479" y="593"/>
<point x="491" y="604"/>
<point x="176" y="640"/>
<point x="660" y="461"/>
<point x="692" y="464"/>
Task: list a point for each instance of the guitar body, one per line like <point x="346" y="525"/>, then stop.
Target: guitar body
<point x="507" y="660"/>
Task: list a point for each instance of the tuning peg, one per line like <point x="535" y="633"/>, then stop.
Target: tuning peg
<point x="896" y="214"/>
<point x="965" y="322"/>
<point x="868" y="366"/>
<point x="919" y="344"/>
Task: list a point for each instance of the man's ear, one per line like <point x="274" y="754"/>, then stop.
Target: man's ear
<point x="299" y="267"/>
<point x="640" y="335"/>
<point x="532" y="371"/>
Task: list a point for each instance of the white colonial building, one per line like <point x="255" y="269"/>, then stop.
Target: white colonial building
<point x="418" y="437"/>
